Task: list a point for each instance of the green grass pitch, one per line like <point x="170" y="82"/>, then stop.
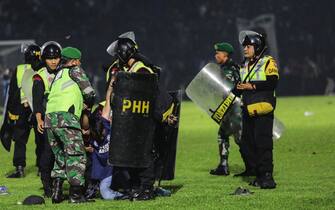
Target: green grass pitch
<point x="304" y="160"/>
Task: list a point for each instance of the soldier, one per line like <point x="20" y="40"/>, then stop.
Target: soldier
<point x="51" y="55"/>
<point x="260" y="76"/>
<point x="142" y="174"/>
<point x="231" y="125"/>
<point x="70" y="92"/>
<point x="18" y="111"/>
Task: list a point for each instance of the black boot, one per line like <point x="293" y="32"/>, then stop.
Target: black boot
<point x="221" y="170"/>
<point x="57" y="192"/>
<point x="143" y="195"/>
<point x="267" y="181"/>
<point x="47" y="187"/>
<point x="19" y="173"/>
<point x="76" y="195"/>
<point x="264" y="182"/>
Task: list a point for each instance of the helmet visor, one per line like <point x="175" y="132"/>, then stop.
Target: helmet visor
<point x="244" y="34"/>
<point x="111" y="48"/>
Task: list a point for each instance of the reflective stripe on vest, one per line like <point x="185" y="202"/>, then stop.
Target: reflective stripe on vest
<point x="46" y="78"/>
<point x="258" y="73"/>
<point x="138" y="65"/>
<point x="19" y="76"/>
<point x="64" y="93"/>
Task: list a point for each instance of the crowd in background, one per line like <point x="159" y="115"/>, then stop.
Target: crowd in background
<point x="179" y="35"/>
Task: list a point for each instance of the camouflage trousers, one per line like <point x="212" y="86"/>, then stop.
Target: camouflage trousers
<point x="231" y="126"/>
<point x="70" y="157"/>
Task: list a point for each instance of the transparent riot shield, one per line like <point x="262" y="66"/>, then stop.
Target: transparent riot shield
<point x="210" y="88"/>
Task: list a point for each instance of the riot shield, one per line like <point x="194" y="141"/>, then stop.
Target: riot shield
<point x="166" y="139"/>
<point x="210" y="91"/>
<point x="6" y="132"/>
<point x="27" y="86"/>
<point x="133" y="126"/>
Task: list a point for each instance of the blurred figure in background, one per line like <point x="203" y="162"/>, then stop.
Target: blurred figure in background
<point x="18" y="110"/>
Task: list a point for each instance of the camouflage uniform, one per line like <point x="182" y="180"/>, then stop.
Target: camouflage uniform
<point x="65" y="137"/>
<point x="231" y="124"/>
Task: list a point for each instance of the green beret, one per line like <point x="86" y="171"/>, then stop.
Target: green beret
<point x="224" y="46"/>
<point x="71" y="53"/>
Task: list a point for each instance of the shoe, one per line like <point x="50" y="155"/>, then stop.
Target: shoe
<point x="143" y="195"/>
<point x="249" y="172"/>
<point x="159" y="191"/>
<point x="19" y="173"/>
<point x="57" y="191"/>
<point x="264" y="182"/>
<point x="256" y="182"/>
<point x="267" y="182"/>
<point x="76" y="195"/>
<point x="92" y="191"/>
<point x="220" y="171"/>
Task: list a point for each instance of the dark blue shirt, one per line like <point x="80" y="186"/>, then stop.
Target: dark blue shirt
<point x="100" y="167"/>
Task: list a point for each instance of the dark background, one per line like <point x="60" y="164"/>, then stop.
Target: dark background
<point x="179" y="35"/>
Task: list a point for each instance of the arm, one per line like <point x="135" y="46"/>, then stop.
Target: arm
<point x="78" y="75"/>
<point x="107" y="108"/>
<point x="38" y="97"/>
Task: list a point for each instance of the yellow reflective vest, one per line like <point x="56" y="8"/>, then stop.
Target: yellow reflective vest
<point x="64" y="94"/>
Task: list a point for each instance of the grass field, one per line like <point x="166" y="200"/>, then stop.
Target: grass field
<point x="304" y="166"/>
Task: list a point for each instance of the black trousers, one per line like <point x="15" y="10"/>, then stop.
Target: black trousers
<point x="39" y="141"/>
<point x="46" y="158"/>
<point x="257" y="144"/>
<point x="134" y="178"/>
<point x="21" y="131"/>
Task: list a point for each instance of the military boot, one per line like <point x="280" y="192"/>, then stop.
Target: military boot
<point x="19" y="173"/>
<point x="76" y="195"/>
<point x="57" y="191"/>
<point x="221" y="170"/>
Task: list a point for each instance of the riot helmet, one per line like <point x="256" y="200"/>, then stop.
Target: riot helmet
<point x="51" y="50"/>
<point x="125" y="49"/>
<point x="32" y="56"/>
<point x="253" y="38"/>
<point x="32" y="53"/>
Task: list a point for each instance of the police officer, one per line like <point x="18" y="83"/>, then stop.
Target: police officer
<point x="51" y="55"/>
<point x="19" y="111"/>
<point x="260" y="74"/>
<point x="70" y="92"/>
<point x="129" y="59"/>
<point x="231" y="71"/>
